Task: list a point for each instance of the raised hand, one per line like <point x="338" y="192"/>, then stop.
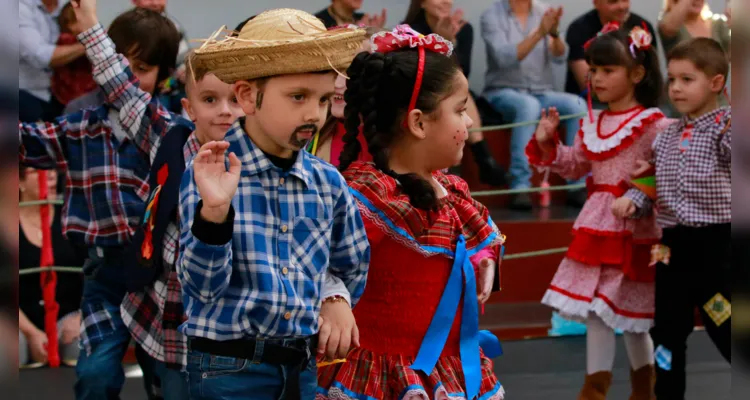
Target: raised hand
<point x="85" y="11"/>
<point x="545" y="131"/>
<point x="216" y="184"/>
<point x="623" y="208"/>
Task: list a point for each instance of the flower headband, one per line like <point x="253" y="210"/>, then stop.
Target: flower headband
<point x="402" y="37"/>
<point x="640" y="39"/>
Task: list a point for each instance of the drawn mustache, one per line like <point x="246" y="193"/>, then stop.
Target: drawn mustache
<point x="309" y="127"/>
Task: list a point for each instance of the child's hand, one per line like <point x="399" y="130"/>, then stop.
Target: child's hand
<point x="38" y="346"/>
<point x="216" y="185"/>
<point x="623" y="208"/>
<point x="85" y="11"/>
<point x="338" y="330"/>
<point x="640" y="168"/>
<point x="485" y="278"/>
<point x="545" y="131"/>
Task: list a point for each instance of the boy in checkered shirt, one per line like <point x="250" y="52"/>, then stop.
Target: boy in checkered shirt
<point x="106" y="154"/>
<point x="692" y="158"/>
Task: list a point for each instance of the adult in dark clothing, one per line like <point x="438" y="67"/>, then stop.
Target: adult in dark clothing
<point x="586" y="27"/>
<point x="32" y="338"/>
<point x="344" y="12"/>
<point x="437" y="16"/>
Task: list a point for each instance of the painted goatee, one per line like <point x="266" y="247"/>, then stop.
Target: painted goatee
<point x="298" y="142"/>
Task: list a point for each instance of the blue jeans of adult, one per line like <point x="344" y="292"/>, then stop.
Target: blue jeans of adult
<point x="217" y="377"/>
<point x="99" y="370"/>
<point x="519" y="106"/>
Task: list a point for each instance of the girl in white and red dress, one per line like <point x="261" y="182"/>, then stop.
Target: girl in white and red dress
<point x="418" y="317"/>
<point x="605" y="278"/>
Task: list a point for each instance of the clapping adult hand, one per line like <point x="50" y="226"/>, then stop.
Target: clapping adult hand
<point x="216" y="184"/>
<point x="557" y="13"/>
<point x="549" y="21"/>
<point x="449" y="26"/>
<point x="375" y="20"/>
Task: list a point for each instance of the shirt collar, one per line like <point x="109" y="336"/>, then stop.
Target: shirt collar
<point x="254" y="161"/>
<point x="192" y="146"/>
<point x="509" y="11"/>
<point x="710" y="118"/>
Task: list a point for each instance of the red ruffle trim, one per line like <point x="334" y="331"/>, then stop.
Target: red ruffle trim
<point x="535" y="154"/>
<point x="638" y="131"/>
<point x="597" y="248"/>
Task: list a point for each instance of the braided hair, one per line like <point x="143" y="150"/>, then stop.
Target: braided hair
<point x="377" y="97"/>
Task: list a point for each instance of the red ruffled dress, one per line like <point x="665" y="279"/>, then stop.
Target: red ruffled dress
<point x="409" y="270"/>
<point x="606" y="269"/>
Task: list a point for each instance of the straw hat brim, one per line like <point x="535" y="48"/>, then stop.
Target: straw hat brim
<point x="233" y="60"/>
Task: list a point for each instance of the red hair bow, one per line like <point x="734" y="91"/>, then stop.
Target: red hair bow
<point x="609" y="27"/>
<point x="403" y="36"/>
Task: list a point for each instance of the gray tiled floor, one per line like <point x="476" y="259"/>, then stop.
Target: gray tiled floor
<point x="550" y="368"/>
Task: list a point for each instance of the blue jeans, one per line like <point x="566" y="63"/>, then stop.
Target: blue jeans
<point x="519" y="106"/>
<point x="99" y="370"/>
<point x="173" y="382"/>
<point x="216" y="377"/>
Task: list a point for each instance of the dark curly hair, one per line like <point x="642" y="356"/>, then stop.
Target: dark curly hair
<point x="613" y="49"/>
<point x="377" y="96"/>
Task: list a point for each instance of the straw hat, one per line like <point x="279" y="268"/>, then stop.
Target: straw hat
<point x="278" y="42"/>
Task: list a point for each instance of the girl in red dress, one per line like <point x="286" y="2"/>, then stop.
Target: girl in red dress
<point x="418" y="318"/>
<point x="606" y="279"/>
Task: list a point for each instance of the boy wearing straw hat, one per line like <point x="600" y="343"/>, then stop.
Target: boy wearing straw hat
<point x="261" y="227"/>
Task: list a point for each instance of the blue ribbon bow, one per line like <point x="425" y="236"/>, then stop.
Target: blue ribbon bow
<point x="442" y="321"/>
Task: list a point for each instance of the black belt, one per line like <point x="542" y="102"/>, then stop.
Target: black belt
<point x="296" y="354"/>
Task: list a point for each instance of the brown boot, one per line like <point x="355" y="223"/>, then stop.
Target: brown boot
<point x="596" y="386"/>
<point x="642" y="383"/>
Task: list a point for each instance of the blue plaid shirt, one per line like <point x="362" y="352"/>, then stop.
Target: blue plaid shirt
<point x="105" y="152"/>
<point x="289" y="228"/>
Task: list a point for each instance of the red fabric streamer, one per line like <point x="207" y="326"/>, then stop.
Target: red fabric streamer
<point x="48" y="279"/>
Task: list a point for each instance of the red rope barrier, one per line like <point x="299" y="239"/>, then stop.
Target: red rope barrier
<point x="48" y="279"/>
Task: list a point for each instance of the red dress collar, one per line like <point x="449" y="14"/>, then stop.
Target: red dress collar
<point x="382" y="202"/>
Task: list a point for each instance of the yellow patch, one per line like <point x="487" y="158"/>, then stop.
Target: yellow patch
<point x="719" y="309"/>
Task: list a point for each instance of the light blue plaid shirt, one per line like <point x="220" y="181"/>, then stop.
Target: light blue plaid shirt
<point x="289" y="227"/>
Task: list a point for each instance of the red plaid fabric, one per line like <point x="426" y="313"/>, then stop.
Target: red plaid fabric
<point x="72" y="80"/>
<point x="155" y="315"/>
<point x="369" y="375"/>
<point x="438" y="229"/>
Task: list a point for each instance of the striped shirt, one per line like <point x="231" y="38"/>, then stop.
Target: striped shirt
<point x="289" y="228"/>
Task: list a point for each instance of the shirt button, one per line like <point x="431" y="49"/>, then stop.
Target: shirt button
<point x="281" y="181"/>
<point x="288" y="316"/>
<point x="285" y="270"/>
<point x="284" y="228"/>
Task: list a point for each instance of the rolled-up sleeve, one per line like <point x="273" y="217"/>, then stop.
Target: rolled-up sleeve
<point x="503" y="52"/>
<point x="32" y="46"/>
